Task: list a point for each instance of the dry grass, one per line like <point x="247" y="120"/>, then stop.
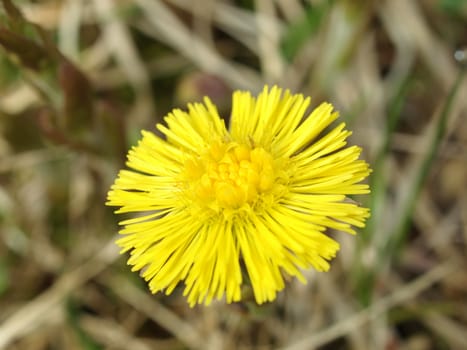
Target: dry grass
<point x="388" y="66"/>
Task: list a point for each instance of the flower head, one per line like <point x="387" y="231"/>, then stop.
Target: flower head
<point x="256" y="197"/>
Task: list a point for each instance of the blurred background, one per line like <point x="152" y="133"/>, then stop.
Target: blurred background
<point x="79" y="79"/>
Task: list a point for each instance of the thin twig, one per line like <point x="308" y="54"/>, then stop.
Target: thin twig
<point x="148" y="306"/>
<point x="400" y="296"/>
<point x="32" y="315"/>
<point x="167" y="27"/>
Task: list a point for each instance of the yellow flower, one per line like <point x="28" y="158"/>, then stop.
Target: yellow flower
<point x="256" y="197"/>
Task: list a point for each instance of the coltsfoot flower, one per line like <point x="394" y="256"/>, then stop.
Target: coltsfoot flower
<point x="256" y="197"/>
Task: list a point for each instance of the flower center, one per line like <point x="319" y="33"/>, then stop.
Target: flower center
<point x="230" y="175"/>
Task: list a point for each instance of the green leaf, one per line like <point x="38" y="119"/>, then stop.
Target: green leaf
<point x="299" y="32"/>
